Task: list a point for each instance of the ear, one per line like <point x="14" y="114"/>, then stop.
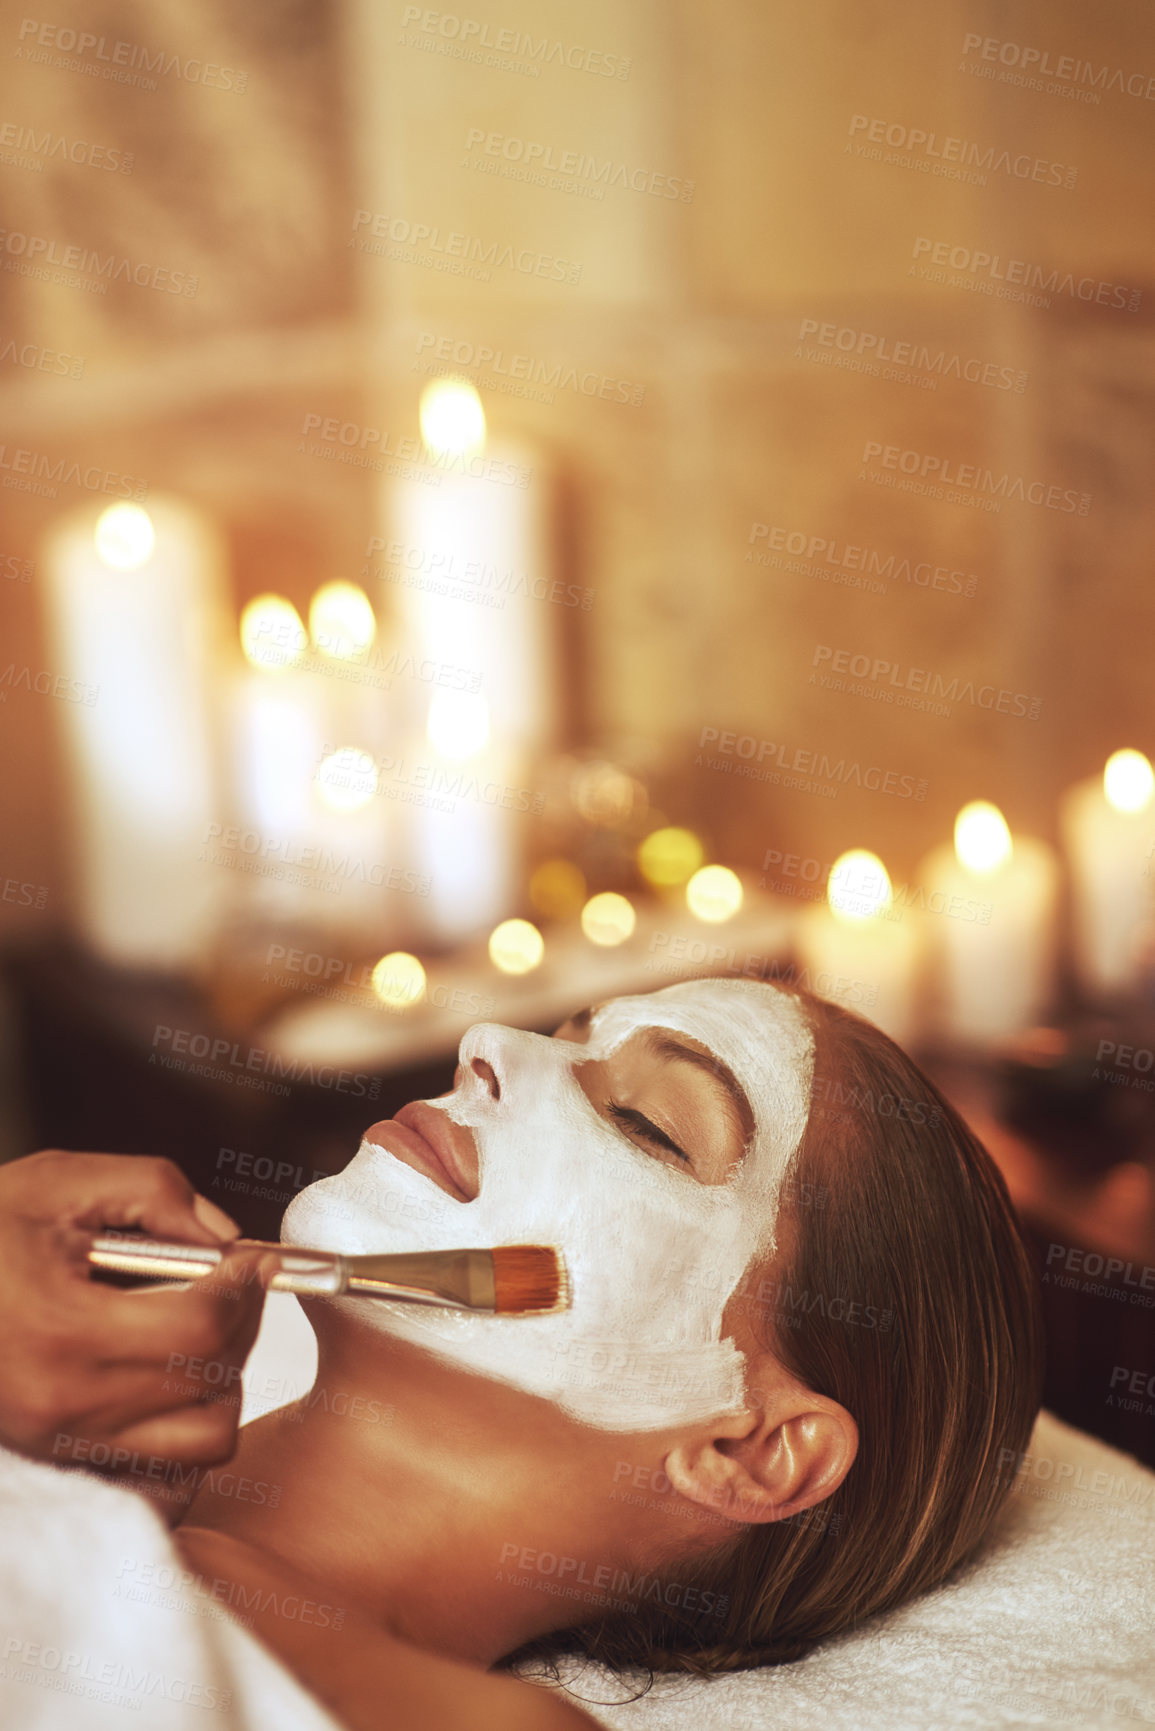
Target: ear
<point x="767" y="1462"/>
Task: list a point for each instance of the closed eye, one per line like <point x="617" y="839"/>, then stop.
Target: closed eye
<point x="630" y="1118"/>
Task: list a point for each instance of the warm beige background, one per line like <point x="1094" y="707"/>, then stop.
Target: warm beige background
<point x="701" y="302"/>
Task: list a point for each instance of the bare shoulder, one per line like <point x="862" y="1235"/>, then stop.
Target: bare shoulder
<point x="357" y="1670"/>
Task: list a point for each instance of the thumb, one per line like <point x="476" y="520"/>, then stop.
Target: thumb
<point x="214" y="1219"/>
<point x="130" y="1190"/>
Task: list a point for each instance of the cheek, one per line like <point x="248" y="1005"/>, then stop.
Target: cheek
<point x="374" y="1204"/>
<point x="658" y="1270"/>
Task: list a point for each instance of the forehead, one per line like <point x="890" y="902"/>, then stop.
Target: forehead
<point x="743" y="1015"/>
<point x="758" y="1032"/>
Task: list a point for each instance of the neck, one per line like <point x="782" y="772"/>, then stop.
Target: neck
<point x="425" y="1497"/>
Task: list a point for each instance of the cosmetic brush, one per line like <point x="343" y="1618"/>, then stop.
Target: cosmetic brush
<point x="510" y="1280"/>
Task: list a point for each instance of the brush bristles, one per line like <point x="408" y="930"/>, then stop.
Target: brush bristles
<point x="528" y="1278"/>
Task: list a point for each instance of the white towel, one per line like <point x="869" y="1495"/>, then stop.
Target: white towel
<point x="97" y="1631"/>
<point x="1053" y="1624"/>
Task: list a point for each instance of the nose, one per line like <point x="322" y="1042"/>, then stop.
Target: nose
<point x="494" y="1056"/>
<point x="483" y="1068"/>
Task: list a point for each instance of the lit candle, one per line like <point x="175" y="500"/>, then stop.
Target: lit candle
<point x="475" y="610"/>
<point x="278" y="735"/>
<point x="342" y="635"/>
<point x="353" y="819"/>
<point x="669" y="857"/>
<point x="136" y="616"/>
<point x="516" y="947"/>
<point x="857" y="951"/>
<point x="309" y="803"/>
<point x="464" y="834"/>
<point x="714" y="894"/>
<point x="990" y="923"/>
<point x="1108" y="827"/>
<point x="608" y="919"/>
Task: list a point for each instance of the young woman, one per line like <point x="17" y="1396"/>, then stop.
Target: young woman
<point x="802" y="1331"/>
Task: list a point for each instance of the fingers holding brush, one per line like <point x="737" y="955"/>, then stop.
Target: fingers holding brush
<point x="209" y="1320"/>
<point x="174" y="1397"/>
<point x="91" y="1374"/>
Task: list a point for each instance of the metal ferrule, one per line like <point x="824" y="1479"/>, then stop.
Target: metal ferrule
<point x="462" y="1279"/>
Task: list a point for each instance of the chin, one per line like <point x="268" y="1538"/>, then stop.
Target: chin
<point x="376" y="1204"/>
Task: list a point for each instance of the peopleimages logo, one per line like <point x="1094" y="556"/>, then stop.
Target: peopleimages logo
<point x="32" y="254"/>
<point x="576" y="166"/>
<point x="30" y="471"/>
<point x="803" y="768"/>
<point x="470" y="35"/>
<point x="843" y="556"/>
<point x="222" y="1056"/>
<point x="358" y="442"/>
<point x="34" y="148"/>
<point x="47" y="684"/>
<point x="522" y="375"/>
<point x="120" y="61"/>
<point x="1065" y="68"/>
<point x="943" y="472"/>
<point x="926" y="150"/>
<point x="414" y="242"/>
<point x="883" y="677"/>
<point x="440" y="571"/>
<point x="915" y="356"/>
<point x="988" y="268"/>
<point x="41" y="360"/>
<point x="807" y="878"/>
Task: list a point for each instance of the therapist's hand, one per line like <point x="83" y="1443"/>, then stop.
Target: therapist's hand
<point x="101" y="1376"/>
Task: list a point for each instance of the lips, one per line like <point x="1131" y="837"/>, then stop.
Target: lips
<point x="429" y="1142"/>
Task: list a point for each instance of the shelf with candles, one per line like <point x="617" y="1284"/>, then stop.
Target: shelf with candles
<point x="531" y="978"/>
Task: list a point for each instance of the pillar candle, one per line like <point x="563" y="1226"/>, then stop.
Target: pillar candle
<point x="476" y="602"/>
<point x="1108" y="828"/>
<point x="136" y="614"/>
<point x="311" y="773"/>
<point x="857" y="950"/>
<point x="278" y="741"/>
<point x="991" y="928"/>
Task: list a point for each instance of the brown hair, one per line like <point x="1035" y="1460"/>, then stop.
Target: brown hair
<point x="895" y="1208"/>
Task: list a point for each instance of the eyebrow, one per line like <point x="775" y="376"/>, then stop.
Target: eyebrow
<point x="669" y="1047"/>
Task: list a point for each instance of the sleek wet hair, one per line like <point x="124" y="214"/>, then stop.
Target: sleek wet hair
<point x="893" y="1205"/>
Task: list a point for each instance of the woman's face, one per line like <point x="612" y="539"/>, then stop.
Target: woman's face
<point x="647" y="1141"/>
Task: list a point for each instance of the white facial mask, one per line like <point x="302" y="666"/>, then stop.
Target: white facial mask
<point x="652" y="1253"/>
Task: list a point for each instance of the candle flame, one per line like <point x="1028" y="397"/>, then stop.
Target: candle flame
<point x="608" y="919"/>
<point x="341" y="621"/>
<point x="272" y="635"/>
<point x="669" y="856"/>
<point x="516" y="947"/>
<point x="399" y="980"/>
<point x="124" y="536"/>
<point x="714" y="894"/>
<point x="982" y="839"/>
<point x="1128" y="781"/>
<point x="452" y="418"/>
<point x="347" y="779"/>
<point x="859" y="886"/>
